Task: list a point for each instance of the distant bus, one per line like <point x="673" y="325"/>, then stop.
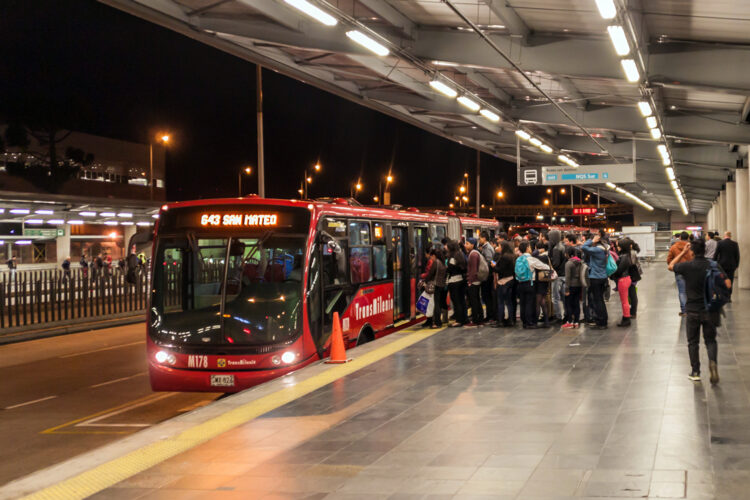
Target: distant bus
<point x="244" y="290"/>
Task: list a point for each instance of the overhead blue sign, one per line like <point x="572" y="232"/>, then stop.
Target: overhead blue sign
<point x="588" y="174"/>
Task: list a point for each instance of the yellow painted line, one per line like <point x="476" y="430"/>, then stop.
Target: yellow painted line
<point x="110" y="473"/>
<point x="54" y="430"/>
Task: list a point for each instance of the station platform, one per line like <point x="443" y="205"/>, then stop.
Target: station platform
<point x="461" y="413"/>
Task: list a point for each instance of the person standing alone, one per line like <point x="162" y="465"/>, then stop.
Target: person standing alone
<point x="728" y="256"/>
<point x="694" y="272"/>
<point x="681" y="244"/>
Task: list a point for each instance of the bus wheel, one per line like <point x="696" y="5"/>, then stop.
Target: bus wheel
<point x="365" y="335"/>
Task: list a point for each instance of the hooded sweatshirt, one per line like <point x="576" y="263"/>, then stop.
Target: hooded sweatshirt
<point x="557" y="252"/>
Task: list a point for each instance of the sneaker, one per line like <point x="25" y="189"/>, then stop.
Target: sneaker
<point x="714" y="369"/>
<point x="695" y="376"/>
<point x="590" y="323"/>
<point x="568" y="325"/>
<point x="455" y="325"/>
<point x="576" y="325"/>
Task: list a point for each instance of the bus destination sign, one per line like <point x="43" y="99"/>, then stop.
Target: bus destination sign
<point x="230" y="219"/>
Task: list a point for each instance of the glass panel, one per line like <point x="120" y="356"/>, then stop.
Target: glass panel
<point x="359" y="264"/>
<point x="380" y="254"/>
<point x="187" y="290"/>
<point x="359" y="233"/>
<point x="264" y="286"/>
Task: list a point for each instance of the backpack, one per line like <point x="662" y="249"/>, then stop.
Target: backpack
<point x="523" y="269"/>
<point x="585" y="274"/>
<point x="717" y="293"/>
<point x="484" y="270"/>
<point x="611" y="264"/>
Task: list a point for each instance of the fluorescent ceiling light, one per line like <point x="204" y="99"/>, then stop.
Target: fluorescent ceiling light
<point x="546" y="148"/>
<point x="126" y="223"/>
<point x="645" y="108"/>
<point x="313" y="11"/>
<point x="44" y="212"/>
<point x="631" y="70"/>
<point x="619" y="40"/>
<point x="155" y="216"/>
<point x="656" y="133"/>
<point x="619" y="189"/>
<point x="662" y="149"/>
<point x="606" y="8"/>
<point x="610" y="185"/>
<point x="111" y="223"/>
<point x="536" y="142"/>
<point x="125" y="215"/>
<point x="523" y="135"/>
<point x="22" y="242"/>
<point x="674" y="184"/>
<point x="443" y="88"/>
<point x="491" y="116"/>
<point x="75" y="222"/>
<point x="670" y="173"/>
<point x="33" y="221"/>
<point x="143" y="224"/>
<point x="666" y="161"/>
<point x="87" y="214"/>
<point x="468" y="103"/>
<point x="368" y="43"/>
<point x="19" y="211"/>
<point x="106" y="214"/>
<point x="651" y="122"/>
<point x="55" y="221"/>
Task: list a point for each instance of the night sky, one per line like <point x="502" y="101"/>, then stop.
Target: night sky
<point x="88" y="67"/>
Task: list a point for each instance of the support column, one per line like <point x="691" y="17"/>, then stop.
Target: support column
<point x="743" y="225"/>
<point x="63" y="245"/>
<point x="722" y="212"/>
<point x="127" y="233"/>
<point x="710" y="218"/>
<point x="732" y="208"/>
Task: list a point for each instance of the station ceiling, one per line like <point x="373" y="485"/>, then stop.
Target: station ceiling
<point x="547" y="67"/>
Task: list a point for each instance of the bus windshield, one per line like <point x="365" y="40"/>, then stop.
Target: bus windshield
<point x="229" y="276"/>
<point x="234" y="290"/>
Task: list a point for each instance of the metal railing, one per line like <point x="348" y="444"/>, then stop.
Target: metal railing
<point x="44" y="296"/>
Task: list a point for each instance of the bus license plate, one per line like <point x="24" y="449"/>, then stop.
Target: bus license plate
<point x="222" y="380"/>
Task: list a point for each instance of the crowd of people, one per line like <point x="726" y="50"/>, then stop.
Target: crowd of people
<point x="540" y="280"/>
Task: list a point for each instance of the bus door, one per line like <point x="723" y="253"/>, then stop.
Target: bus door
<point x="401" y="274"/>
<point x="421" y="243"/>
<point x="454" y="228"/>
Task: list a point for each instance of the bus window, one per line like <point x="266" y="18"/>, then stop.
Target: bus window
<point x="421" y="244"/>
<point x="379" y="251"/>
<point x="360" y="252"/>
<point x="439" y="233"/>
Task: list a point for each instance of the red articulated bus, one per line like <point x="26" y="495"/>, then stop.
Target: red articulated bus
<point x="244" y="289"/>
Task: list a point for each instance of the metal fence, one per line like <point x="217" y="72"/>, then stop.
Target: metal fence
<point x="35" y="297"/>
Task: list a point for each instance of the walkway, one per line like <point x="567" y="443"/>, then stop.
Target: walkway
<point x="500" y="414"/>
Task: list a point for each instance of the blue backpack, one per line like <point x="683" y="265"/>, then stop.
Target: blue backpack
<point x="523" y="269"/>
<point x="717" y="293"/>
<point x="611" y="264"/>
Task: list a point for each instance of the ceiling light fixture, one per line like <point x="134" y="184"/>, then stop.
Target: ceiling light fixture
<point x="631" y="70"/>
<point x="670" y="173"/>
<point x="443" y="88"/>
<point x="546" y="148"/>
<point x="606" y="8"/>
<point x="490" y="115"/>
<point x="368" y="43"/>
<point x="656" y="133"/>
<point x="619" y="40"/>
<point x="651" y="122"/>
<point x="468" y="103"/>
<point x="523" y="134"/>
<point x="645" y="108"/>
<point x="313" y="11"/>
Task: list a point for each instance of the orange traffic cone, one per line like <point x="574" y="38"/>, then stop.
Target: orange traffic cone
<point x="338" y="352"/>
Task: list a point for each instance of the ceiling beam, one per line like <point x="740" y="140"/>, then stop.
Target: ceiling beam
<point x="390" y="14"/>
<point x="513" y="22"/>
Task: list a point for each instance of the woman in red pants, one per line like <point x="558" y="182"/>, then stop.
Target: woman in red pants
<point x="625" y="267"/>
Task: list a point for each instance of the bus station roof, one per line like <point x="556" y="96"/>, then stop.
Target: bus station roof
<point x="550" y="68"/>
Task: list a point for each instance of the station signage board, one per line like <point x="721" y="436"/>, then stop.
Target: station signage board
<point x="44" y="233"/>
<point x="584" y="211"/>
<point x="588" y="174"/>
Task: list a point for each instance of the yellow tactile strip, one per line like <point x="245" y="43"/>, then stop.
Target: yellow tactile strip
<point x="110" y="473"/>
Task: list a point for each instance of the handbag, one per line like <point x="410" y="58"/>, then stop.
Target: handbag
<point x="544" y="275"/>
<point x="429" y="287"/>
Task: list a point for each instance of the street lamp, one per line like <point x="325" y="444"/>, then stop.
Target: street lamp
<point x="546" y="201"/>
<point x="307" y="179"/>
<point x="246" y="171"/>
<point x="164" y="139"/>
<point x="386" y="193"/>
<point x="357" y="189"/>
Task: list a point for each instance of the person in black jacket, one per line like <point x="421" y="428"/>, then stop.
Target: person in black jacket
<point x="503" y="265"/>
<point x="728" y="256"/>
<point x="456" y="269"/>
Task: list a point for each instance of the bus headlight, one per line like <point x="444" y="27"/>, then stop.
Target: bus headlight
<point x="288" y="357"/>
<point x="162" y="357"/>
<point x="276" y="360"/>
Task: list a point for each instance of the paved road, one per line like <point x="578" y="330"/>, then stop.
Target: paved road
<point x="65" y="395"/>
